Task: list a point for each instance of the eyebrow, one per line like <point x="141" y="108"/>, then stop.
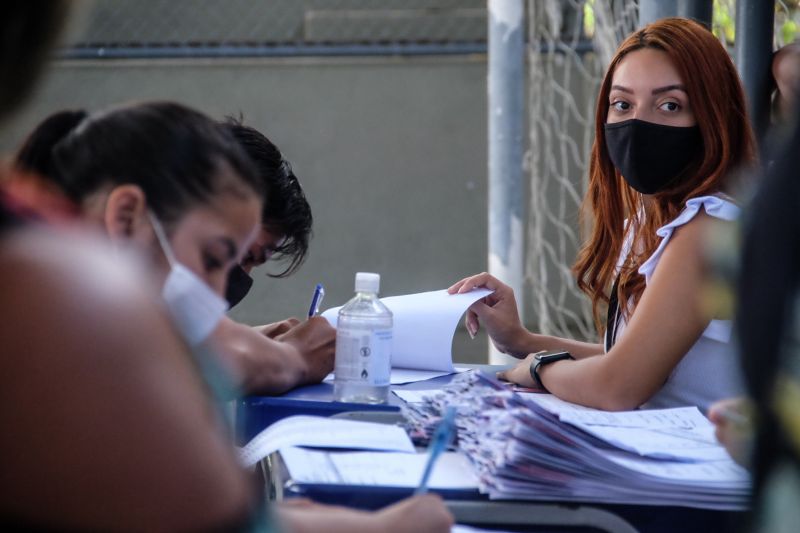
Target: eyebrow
<point x="659" y="90"/>
<point x="667" y="88"/>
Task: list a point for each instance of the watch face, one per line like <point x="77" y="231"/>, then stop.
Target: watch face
<point x="553" y="356"/>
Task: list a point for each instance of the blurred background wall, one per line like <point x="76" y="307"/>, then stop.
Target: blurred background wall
<point x="390" y="147"/>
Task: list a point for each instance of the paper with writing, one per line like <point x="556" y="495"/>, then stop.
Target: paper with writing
<point x="324" y="432"/>
<point x="386" y="469"/>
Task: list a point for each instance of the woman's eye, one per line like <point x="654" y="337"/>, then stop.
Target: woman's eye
<point x="670" y="106"/>
<point x="211" y="263"/>
<point x="620" y="105"/>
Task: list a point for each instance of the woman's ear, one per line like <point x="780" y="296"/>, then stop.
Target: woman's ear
<point x="125" y="215"/>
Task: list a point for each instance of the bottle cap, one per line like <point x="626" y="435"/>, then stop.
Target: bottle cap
<point x="368" y="282"/>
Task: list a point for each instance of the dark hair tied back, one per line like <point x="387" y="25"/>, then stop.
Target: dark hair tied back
<point x="178" y="156"/>
<point x="36" y="153"/>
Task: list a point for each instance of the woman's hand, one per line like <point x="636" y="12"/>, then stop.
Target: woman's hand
<point x="418" y="514"/>
<point x="497" y="312"/>
<point x="520" y="374"/>
<point x="734" y="427"/>
<point x="315" y="340"/>
<point x="277" y="328"/>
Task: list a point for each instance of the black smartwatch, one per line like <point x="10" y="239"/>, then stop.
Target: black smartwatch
<point x="545" y="358"/>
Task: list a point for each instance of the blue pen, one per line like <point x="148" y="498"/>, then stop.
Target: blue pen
<point x="316" y="300"/>
<point x="439" y="442"/>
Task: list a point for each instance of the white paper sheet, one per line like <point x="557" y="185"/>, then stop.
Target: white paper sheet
<point x="413" y="396"/>
<point x="452" y="470"/>
<point x="424" y="325"/>
<point x="460" y="528"/>
<point x="675" y="418"/>
<point x="324" y="432"/>
<point x="706" y="473"/>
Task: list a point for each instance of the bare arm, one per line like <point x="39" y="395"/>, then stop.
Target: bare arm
<point x="420" y="514"/>
<point x="668" y="320"/>
<point x="300" y="356"/>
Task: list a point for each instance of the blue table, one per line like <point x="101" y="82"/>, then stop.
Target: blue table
<point x="254" y="413"/>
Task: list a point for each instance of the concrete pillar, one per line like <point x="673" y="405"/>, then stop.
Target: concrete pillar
<point x="506" y="85"/>
<point x="755" y="21"/>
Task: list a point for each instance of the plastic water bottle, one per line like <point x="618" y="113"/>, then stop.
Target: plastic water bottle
<point x="363" y="345"/>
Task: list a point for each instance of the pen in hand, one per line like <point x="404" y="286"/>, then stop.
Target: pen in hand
<point x="439" y="442"/>
<point x="316" y="300"/>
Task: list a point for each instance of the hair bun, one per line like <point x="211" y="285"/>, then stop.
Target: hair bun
<point x="36" y="154"/>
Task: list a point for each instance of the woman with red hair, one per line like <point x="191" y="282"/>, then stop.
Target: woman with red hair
<point x="671" y="130"/>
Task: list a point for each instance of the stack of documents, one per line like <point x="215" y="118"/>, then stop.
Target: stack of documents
<point x="537" y="447"/>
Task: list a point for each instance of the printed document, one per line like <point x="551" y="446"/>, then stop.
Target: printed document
<point x="383" y="469"/>
<point x="321" y="432"/>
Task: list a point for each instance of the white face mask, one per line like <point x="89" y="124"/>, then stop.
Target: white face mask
<point x="195" y="308"/>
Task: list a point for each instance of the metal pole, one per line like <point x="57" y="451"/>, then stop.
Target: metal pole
<point x="700" y="10"/>
<point x="506" y="104"/>
<point x="652" y="10"/>
<point x="755" y="21"/>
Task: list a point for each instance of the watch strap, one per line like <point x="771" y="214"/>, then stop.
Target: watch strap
<point x="545" y="359"/>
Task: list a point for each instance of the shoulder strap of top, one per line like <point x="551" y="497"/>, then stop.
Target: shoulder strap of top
<point x="612" y="318"/>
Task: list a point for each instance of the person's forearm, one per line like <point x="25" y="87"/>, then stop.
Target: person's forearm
<point x="591" y="382"/>
<point x="526" y="343"/>
<point x="313" y="517"/>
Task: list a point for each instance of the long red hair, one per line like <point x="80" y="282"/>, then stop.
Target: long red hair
<point x="715" y="93"/>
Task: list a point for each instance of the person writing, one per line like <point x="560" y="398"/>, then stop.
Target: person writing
<point x="260" y="363"/>
<point x="671" y="127"/>
<point x="286" y="218"/>
<point x="273" y="358"/>
<point x="192" y="214"/>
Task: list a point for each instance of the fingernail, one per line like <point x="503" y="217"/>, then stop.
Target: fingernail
<point x="471" y="334"/>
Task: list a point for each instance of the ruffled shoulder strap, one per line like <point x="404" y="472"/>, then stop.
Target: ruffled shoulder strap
<point x="716" y="206"/>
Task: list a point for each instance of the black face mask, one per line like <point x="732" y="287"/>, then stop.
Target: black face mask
<point x="239" y="284"/>
<point x="652" y="157"/>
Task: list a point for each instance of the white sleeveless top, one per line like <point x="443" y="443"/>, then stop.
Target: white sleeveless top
<point x="710" y="370"/>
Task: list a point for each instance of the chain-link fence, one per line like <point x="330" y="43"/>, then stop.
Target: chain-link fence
<point x="577" y="40"/>
<point x="185" y="28"/>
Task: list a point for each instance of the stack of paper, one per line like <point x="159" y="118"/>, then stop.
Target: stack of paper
<point x="534" y="446"/>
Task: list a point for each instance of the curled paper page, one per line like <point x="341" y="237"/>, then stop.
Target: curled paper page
<point x="424" y="324"/>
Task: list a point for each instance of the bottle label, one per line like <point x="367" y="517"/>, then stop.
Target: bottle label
<point x="364" y="355"/>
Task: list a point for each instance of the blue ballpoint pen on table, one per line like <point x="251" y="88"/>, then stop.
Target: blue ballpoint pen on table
<point x="316" y="300"/>
<point x="439" y="442"/>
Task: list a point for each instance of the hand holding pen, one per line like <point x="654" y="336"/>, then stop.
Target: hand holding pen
<point x="441" y="439"/>
<point x="316" y="300"/>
